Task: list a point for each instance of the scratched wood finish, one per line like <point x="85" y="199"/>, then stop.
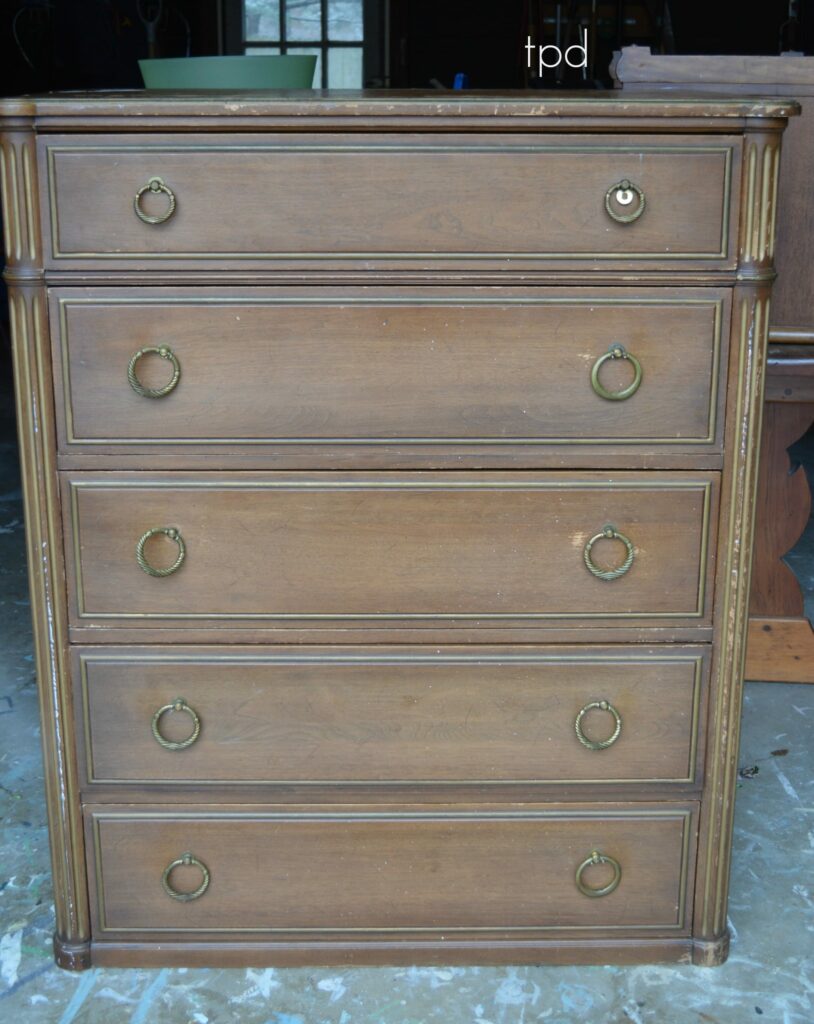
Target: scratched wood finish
<point x="36" y="432"/>
<point x="388" y="548"/>
<point x="445" y="198"/>
<point x="393" y="871"/>
<point x="395" y="109"/>
<point x="468" y="366"/>
<point x="413" y="716"/>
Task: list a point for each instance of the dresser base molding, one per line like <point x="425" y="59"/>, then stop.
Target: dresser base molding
<point x="555" y="952"/>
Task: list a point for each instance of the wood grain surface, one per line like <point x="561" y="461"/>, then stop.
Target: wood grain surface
<point x="427" y="198"/>
<point x="388" y="870"/>
<point x="389" y="547"/>
<point x="371" y="716"/>
<point x="410" y="367"/>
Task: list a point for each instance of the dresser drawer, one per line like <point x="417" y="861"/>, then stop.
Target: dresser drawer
<point x="412" y="200"/>
<point x="273" y="371"/>
<point x="400" y="869"/>
<point x="383" y="717"/>
<point x="388" y="548"/>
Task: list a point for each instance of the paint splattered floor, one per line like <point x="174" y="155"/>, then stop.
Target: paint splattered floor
<point x="769" y="977"/>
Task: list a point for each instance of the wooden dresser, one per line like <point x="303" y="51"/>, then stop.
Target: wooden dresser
<point x="389" y="470"/>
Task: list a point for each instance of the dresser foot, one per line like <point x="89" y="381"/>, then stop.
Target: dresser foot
<point x="71" y="956"/>
<point x="711" y="953"/>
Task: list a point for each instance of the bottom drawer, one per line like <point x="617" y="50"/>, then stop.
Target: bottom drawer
<point x="405" y="869"/>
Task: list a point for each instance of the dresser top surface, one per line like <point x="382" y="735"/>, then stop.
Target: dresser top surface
<point x="545" y="108"/>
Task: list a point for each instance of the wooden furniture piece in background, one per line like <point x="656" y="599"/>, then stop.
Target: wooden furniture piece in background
<point x="389" y="466"/>
<point x="781" y="638"/>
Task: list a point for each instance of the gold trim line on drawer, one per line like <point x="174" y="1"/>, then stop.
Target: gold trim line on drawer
<point x="680" y="813"/>
<point x="726" y="151"/>
<point x="690" y="778"/>
<point x="292" y="301"/>
<point x="705" y="486"/>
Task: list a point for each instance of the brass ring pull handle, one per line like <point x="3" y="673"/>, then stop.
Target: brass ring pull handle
<point x="185" y="860"/>
<point x="173" y="534"/>
<point x="624" y="192"/>
<point x="601" y="705"/>
<point x="608" y="533"/>
<point x="135" y="383"/>
<point x="179" y="704"/>
<point x="155" y="185"/>
<point x="599" y="858"/>
<point x="616" y="352"/>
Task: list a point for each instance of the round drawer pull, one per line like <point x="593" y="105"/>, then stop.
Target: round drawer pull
<point x="624" y="192"/>
<point x="599" y="858"/>
<point x="135" y="383"/>
<point x="616" y="352"/>
<point x="179" y="704"/>
<point x="186" y="860"/>
<point x="601" y="705"/>
<point x="174" y="535"/>
<point x="155" y="185"/>
<point x="608" y="533"/>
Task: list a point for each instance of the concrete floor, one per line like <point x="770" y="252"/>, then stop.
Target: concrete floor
<point x="768" y="978"/>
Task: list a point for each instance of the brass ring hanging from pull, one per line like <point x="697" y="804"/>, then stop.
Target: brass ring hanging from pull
<point x="608" y="533"/>
<point x="624" y="192"/>
<point x="599" y="705"/>
<point x="155" y="185"/>
<point x="143" y="390"/>
<point x="185" y="860"/>
<point x="616" y="352"/>
<point x="174" y="535"/>
<point x="599" y="858"/>
<point x="179" y="704"/>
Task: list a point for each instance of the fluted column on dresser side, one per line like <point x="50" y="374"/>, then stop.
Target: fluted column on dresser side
<point x="750" y="328"/>
<point x="35" y="425"/>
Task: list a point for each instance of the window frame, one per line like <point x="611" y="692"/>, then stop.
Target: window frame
<point x="236" y="42"/>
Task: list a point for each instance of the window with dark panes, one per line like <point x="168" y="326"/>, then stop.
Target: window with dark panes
<point x="330" y="29"/>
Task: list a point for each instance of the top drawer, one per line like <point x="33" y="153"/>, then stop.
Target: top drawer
<point x="409" y="201"/>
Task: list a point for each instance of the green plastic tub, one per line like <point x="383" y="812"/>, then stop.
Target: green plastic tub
<point x="286" y="71"/>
